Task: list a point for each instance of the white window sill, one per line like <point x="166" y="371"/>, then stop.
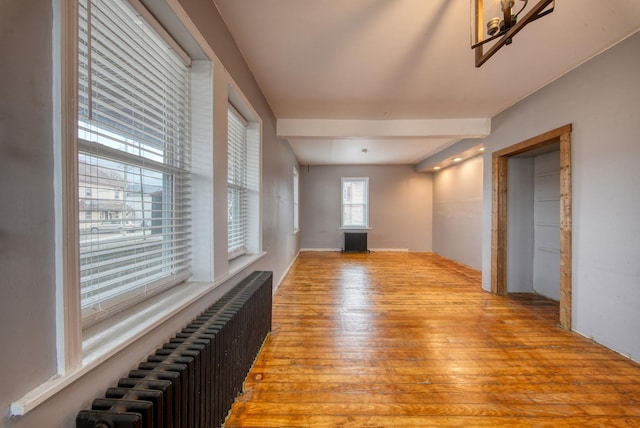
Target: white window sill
<point x="102" y="340"/>
<point x="355" y="228"/>
<point x="238" y="264"/>
<point x="105" y="339"/>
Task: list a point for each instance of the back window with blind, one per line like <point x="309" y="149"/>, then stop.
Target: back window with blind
<point x="237" y="191"/>
<point x="134" y="159"/>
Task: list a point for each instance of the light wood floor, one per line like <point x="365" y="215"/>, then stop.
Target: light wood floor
<point x="410" y="339"/>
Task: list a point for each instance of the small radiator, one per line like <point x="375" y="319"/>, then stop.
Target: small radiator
<point x="355" y="242"/>
<point x="192" y="381"/>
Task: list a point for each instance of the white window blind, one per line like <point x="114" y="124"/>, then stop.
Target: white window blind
<point x="237" y="191"/>
<point x="134" y="159"/>
<point x="355" y="202"/>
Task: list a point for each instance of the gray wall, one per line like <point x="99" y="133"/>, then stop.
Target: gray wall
<point x="457" y="212"/>
<point x="27" y="309"/>
<point x="400" y="202"/>
<point x="27" y="306"/>
<point x="601" y="99"/>
<point x="520" y="231"/>
<point x="546" y="217"/>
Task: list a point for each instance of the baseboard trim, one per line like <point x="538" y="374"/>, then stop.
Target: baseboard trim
<point x="380" y="250"/>
<point x="286" y="272"/>
<point x="390" y="250"/>
<point x="321" y="249"/>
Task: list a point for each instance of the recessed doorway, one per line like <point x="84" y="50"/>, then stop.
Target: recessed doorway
<point x="560" y="137"/>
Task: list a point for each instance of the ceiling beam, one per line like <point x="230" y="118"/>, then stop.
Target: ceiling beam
<point x="465" y="149"/>
<point x="419" y="128"/>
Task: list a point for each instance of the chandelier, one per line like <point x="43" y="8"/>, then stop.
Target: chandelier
<point x="496" y="22"/>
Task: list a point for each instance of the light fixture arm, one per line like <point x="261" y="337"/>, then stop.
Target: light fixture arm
<point x="523" y="7"/>
<point x="507" y="5"/>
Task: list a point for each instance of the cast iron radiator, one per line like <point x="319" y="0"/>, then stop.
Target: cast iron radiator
<point x="355" y="242"/>
<point x="192" y="381"/>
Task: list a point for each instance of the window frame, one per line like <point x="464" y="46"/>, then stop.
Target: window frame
<point x="296" y="200"/>
<point x="237" y="183"/>
<point x="118" y="272"/>
<point x="253" y="242"/>
<point x="75" y="344"/>
<point x="365" y="203"/>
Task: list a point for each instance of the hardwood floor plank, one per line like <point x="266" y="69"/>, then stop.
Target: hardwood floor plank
<point x="347" y="421"/>
<point x="411" y="339"/>
<point x="630" y="391"/>
<point x="432" y="409"/>
<point x="437" y="396"/>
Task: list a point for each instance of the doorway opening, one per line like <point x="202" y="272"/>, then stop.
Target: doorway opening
<point x="560" y="137"/>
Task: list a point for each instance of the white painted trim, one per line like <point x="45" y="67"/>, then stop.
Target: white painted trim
<point x="240" y="263"/>
<point x="321" y="250"/>
<point x="220" y="137"/>
<point x="186" y="20"/>
<point x="202" y="213"/>
<point x="286" y="272"/>
<point x="65" y="186"/>
<point x="333" y="128"/>
<point x="389" y="250"/>
<point x="153" y="22"/>
<point x="381" y="250"/>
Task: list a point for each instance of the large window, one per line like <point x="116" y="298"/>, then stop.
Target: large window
<point x="237" y="184"/>
<point x="134" y="158"/>
<point x="243" y="180"/>
<point x="355" y="202"/>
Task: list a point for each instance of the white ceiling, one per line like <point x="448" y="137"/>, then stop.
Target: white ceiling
<point x="361" y="64"/>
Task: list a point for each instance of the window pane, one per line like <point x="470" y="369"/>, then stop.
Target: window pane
<point x="129" y="241"/>
<point x="353" y="215"/>
<point x="354" y="192"/>
<point x="236" y="221"/>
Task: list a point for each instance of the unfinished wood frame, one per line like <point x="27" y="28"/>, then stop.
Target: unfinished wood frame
<point x="499" y="191"/>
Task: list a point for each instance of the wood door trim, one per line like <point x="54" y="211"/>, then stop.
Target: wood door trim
<point x="499" y="191"/>
<point x="565" y="231"/>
